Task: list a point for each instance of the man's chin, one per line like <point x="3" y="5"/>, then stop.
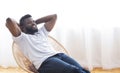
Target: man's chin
<point x="36" y="30"/>
<point x="32" y="31"/>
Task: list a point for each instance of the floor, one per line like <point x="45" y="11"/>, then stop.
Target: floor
<point x="18" y="70"/>
<point x="11" y="70"/>
<point x="99" y="70"/>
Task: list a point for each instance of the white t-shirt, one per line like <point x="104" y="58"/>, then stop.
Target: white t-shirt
<point x="35" y="47"/>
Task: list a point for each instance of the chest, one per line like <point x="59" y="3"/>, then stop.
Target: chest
<point x="38" y="40"/>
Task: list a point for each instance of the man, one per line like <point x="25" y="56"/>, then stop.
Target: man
<point x="34" y="45"/>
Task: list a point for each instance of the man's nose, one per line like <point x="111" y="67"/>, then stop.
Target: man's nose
<point x="33" y="23"/>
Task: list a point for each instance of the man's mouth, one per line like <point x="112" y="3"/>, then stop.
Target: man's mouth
<point x="34" y="26"/>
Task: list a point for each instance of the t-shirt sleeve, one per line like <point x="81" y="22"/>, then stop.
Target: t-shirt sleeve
<point x="19" y="38"/>
<point x="43" y="31"/>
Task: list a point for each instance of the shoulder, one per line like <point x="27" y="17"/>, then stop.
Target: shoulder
<point x="20" y="37"/>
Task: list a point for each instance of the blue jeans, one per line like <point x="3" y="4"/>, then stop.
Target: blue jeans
<point x="61" y="63"/>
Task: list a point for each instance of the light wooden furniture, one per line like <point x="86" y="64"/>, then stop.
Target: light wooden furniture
<point x="25" y="63"/>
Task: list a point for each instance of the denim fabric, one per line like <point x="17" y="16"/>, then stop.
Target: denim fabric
<point x="61" y="63"/>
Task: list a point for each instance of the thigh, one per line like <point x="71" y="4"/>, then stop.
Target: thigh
<point x="71" y="61"/>
<point x="55" y="65"/>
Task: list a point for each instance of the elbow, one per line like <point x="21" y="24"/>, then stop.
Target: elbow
<point x="55" y="16"/>
<point x="7" y="21"/>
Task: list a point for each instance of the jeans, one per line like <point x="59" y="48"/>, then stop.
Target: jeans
<point x="61" y="63"/>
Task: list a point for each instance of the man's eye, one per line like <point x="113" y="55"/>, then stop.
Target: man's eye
<point x="33" y="21"/>
<point x="29" y="24"/>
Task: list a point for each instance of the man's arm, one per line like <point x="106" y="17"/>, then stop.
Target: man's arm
<point x="13" y="27"/>
<point x="48" y="20"/>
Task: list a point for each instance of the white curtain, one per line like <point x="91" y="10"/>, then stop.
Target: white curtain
<point x="89" y="29"/>
<point x="93" y="47"/>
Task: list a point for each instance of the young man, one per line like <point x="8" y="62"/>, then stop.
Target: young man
<point x="34" y="45"/>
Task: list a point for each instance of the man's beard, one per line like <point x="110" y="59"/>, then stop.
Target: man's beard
<point x="31" y="31"/>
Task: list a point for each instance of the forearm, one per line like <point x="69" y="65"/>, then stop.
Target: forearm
<point x="45" y="19"/>
<point x="13" y="27"/>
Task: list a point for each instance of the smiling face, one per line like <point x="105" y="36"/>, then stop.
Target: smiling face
<point x="30" y="26"/>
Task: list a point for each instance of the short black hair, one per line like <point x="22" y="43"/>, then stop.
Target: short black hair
<point x="22" y="20"/>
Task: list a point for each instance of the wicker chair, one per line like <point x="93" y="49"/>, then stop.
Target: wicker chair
<point x="25" y="63"/>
